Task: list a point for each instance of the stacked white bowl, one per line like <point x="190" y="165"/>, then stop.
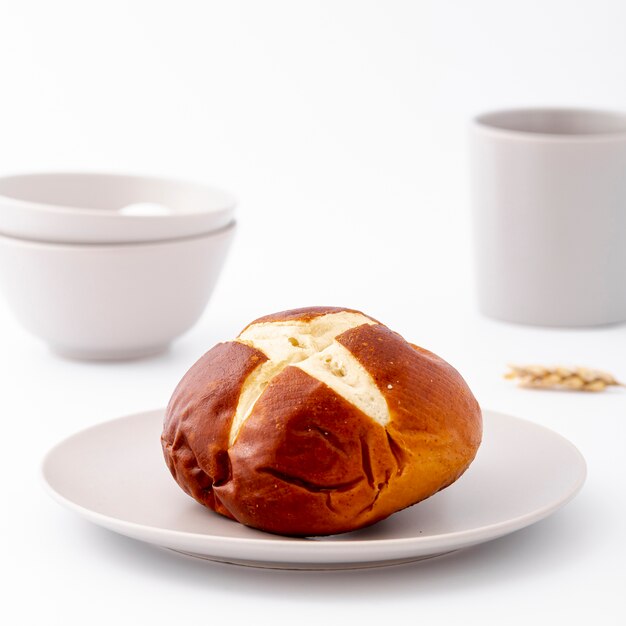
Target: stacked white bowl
<point x="104" y="266"/>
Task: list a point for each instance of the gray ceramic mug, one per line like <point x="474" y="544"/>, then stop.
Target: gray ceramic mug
<point x="549" y="215"/>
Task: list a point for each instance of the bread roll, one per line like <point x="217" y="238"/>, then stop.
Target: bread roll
<point x="318" y="421"/>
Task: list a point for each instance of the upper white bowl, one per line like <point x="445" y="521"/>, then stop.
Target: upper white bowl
<point x="109" y="208"/>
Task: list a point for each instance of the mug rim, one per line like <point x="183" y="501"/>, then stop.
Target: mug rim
<point x="487" y="122"/>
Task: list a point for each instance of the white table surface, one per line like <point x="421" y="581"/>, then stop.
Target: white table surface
<point x="65" y="569"/>
<point x="341" y="126"/>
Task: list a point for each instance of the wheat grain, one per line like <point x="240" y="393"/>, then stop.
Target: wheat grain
<point x="559" y="377"/>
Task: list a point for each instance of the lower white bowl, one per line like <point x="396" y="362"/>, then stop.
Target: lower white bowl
<point x="116" y="301"/>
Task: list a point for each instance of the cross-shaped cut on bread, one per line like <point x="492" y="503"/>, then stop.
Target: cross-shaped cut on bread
<point x="312" y="346"/>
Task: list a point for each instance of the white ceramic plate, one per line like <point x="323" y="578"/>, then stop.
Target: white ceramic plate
<point x="113" y="474"/>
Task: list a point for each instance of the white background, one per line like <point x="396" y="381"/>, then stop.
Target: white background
<point x="341" y="126"/>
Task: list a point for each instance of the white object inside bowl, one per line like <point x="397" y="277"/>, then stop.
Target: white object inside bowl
<point x="145" y="208"/>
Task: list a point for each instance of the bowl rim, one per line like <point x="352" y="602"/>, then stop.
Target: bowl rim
<point x="229" y="199"/>
<point x="69" y="245"/>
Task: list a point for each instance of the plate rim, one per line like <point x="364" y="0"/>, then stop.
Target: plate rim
<point x="316" y="550"/>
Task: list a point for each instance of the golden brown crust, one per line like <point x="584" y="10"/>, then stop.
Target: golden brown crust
<point x="313" y="451"/>
<point x="307" y="461"/>
<point x="198" y="419"/>
<point x="305" y="314"/>
<point x="423" y="392"/>
<point x="433" y="412"/>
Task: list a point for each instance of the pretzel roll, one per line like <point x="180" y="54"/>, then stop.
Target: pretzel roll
<point x="318" y="421"/>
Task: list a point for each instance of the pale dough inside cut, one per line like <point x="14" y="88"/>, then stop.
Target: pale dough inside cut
<point x="311" y="346"/>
